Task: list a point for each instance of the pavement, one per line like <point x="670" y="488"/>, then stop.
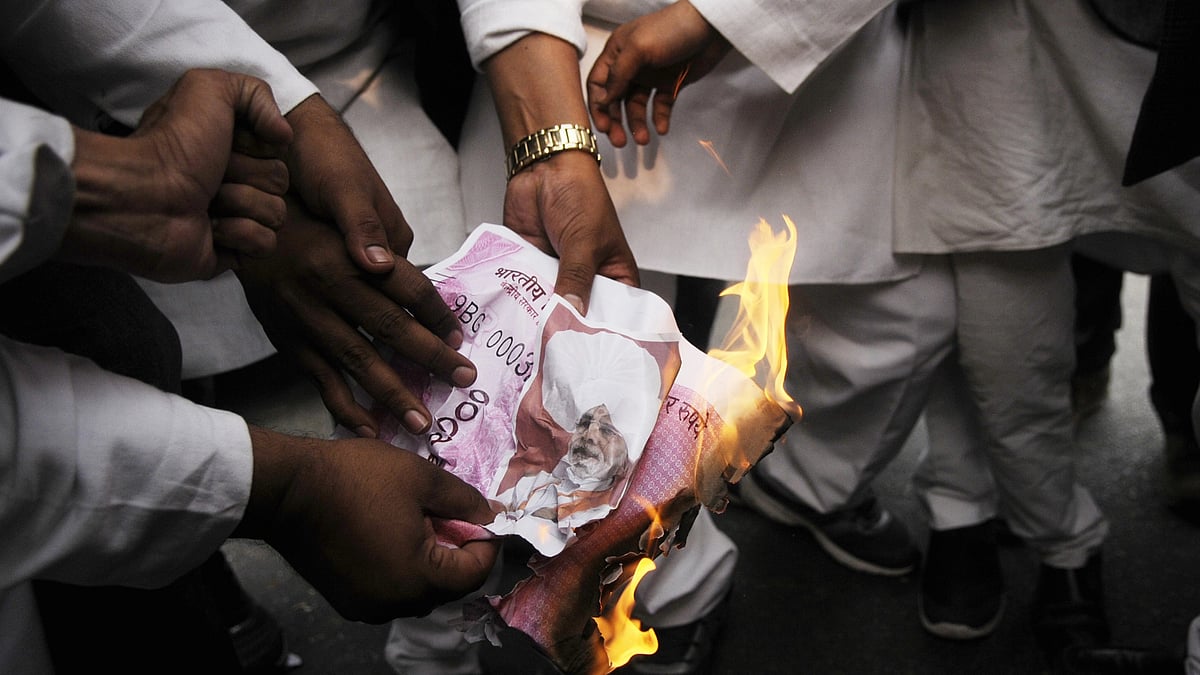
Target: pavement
<point x="794" y="609"/>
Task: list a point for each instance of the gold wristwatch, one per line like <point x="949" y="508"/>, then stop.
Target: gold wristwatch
<point x="549" y="141"/>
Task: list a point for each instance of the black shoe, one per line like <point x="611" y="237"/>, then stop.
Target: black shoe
<point x="1121" y="661"/>
<point x="962" y="585"/>
<point x="1068" y="612"/>
<point x="682" y="650"/>
<point x="865" y="537"/>
<point x="1182" y="488"/>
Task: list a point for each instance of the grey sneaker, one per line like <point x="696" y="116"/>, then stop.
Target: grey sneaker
<point x="865" y="537"/>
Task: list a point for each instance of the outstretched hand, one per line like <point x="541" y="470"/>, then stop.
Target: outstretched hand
<point x="354" y="518"/>
<point x="644" y="65"/>
<point x="312" y="299"/>
<point x="175" y="201"/>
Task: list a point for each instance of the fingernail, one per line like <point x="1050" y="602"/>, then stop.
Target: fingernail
<point x="463" y="376"/>
<point x="365" y="432"/>
<point x="575" y="300"/>
<point x="379" y="254"/>
<point x="455" y="339"/>
<point x="415" y="422"/>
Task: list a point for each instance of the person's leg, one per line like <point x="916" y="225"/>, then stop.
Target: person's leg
<point x="696" y="301"/>
<point x="860" y="362"/>
<point x="962" y="584"/>
<point x="1015" y="319"/>
<point x="1174" y="383"/>
<point x="1097" y="320"/>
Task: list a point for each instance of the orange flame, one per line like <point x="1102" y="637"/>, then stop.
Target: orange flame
<point x="755" y="344"/>
<point x="623" y="634"/>
<point x="708" y="145"/>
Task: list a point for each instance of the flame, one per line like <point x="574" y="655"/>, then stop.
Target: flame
<point x="623" y="634"/>
<point x="708" y="145"/>
<point x="755" y="344"/>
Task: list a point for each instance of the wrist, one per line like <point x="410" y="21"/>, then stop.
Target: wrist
<point x="276" y="464"/>
<point x="545" y="143"/>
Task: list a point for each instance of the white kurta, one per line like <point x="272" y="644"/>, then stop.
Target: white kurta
<point x="806" y="130"/>
<point x="1033" y="155"/>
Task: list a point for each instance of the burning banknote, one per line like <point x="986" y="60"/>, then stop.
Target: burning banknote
<point x="592" y="437"/>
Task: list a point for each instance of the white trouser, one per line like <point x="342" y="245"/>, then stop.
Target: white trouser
<point x="1016" y="348"/>
<point x="861" y="361"/>
<point x="685" y="585"/>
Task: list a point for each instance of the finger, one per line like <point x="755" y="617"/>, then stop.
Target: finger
<point x="635" y="109"/>
<point x="366" y="231"/>
<point x="664" y="103"/>
<point x="394" y="325"/>
<point x="353" y="353"/>
<point x="459" y="571"/>
<point x="597" y="91"/>
<point x="255" y="103"/>
<point x="235" y="200"/>
<point x="268" y="175"/>
<point x="415" y="292"/>
<point x="247" y="142"/>
<point x="335" y="392"/>
<point x="617" y="133"/>
<point x="448" y="497"/>
<point x="574" y="282"/>
<point x="243" y="235"/>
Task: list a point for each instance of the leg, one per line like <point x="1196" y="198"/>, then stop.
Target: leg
<point x="860" y="361"/>
<point x="1097" y="319"/>
<point x="962" y="584"/>
<point x="1015" y="338"/>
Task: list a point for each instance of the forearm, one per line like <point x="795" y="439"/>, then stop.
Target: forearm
<point x="536" y="84"/>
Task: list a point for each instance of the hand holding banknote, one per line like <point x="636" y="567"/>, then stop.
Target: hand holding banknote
<point x="312" y="299"/>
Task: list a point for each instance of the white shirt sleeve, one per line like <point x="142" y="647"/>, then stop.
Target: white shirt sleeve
<point x="105" y="480"/>
<point x="36" y="185"/>
<point x="491" y="25"/>
<point x="788" y="40"/>
<point x="117" y="57"/>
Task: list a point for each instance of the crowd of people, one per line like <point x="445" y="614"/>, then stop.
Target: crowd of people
<point x="190" y="188"/>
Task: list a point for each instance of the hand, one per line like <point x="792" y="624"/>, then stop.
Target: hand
<point x="174" y="201"/>
<point x="311" y="298"/>
<point x="655" y="55"/>
<point x="561" y="205"/>
<point x="331" y="173"/>
<point x="353" y="517"/>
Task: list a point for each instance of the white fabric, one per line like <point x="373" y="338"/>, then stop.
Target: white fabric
<point x="686" y="210"/>
<point x="36" y="185"/>
<point x="1015" y="122"/>
<point x="109" y="481"/>
<point x="125" y="54"/>
<point x="861" y="360"/>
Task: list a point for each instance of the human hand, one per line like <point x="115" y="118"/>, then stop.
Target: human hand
<point x="562" y="206"/>
<point x="354" y="518"/>
<point x="311" y="298"/>
<point x="331" y="173"/>
<point x="656" y="54"/>
<point x="173" y="201"/>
